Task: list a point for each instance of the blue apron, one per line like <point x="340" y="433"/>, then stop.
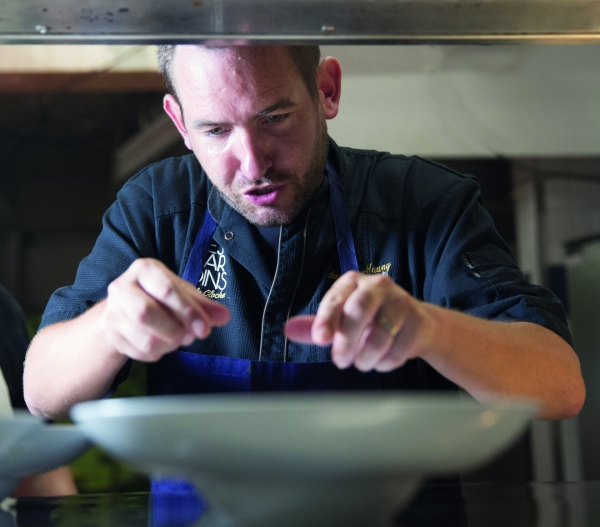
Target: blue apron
<point x="183" y="372"/>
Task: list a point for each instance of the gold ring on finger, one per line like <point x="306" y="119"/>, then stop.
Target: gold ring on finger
<point x="386" y="324"/>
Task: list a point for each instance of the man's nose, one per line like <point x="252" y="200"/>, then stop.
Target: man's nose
<point x="254" y="154"/>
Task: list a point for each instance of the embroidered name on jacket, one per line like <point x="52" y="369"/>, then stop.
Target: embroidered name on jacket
<point x="213" y="280"/>
<point x="369" y="269"/>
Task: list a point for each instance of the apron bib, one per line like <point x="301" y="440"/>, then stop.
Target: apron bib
<point x="182" y="372"/>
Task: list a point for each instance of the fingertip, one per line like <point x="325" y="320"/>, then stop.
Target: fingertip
<point x="188" y="339"/>
<point x="218" y="313"/>
<point x="321" y="334"/>
<point x="200" y="328"/>
<point x="226" y="313"/>
<point x="388" y="364"/>
<point x="298" y="329"/>
<point x="223" y="317"/>
<point x="341" y="362"/>
<point x="362" y="367"/>
<point x="288" y="328"/>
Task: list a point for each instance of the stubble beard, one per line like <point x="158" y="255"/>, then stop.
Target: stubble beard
<point x="304" y="188"/>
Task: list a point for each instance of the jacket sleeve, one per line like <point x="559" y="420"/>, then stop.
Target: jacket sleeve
<point x="128" y="233"/>
<point x="471" y="268"/>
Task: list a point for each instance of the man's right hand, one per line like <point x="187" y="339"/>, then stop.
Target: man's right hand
<point x="150" y="311"/>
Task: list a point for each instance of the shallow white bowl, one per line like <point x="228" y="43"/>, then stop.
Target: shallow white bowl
<point x="299" y="458"/>
<point x="28" y="446"/>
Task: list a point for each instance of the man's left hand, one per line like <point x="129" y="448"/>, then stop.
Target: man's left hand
<point x="370" y="321"/>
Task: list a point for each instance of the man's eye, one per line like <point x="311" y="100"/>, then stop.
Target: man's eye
<point x="277" y="118"/>
<point x="216" y="131"/>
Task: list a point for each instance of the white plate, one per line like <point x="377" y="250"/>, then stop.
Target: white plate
<point x="28" y="446"/>
<point x="277" y="456"/>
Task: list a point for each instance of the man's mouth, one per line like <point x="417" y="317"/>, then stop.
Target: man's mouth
<point x="261" y="191"/>
<point x="264" y="195"/>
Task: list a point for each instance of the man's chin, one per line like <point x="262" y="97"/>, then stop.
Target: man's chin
<point x="269" y="218"/>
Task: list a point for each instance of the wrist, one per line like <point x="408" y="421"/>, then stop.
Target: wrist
<point x="436" y="337"/>
<point x="99" y="328"/>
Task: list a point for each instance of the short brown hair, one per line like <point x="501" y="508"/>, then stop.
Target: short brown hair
<point x="305" y="58"/>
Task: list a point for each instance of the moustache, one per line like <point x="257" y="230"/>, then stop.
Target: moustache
<point x="272" y="177"/>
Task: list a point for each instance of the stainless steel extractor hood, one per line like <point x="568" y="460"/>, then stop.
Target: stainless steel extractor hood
<point x="319" y="21"/>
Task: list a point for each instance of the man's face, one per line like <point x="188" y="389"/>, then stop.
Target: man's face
<point x="252" y="124"/>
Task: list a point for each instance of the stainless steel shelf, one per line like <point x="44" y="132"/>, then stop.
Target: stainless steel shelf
<point x="299" y="21"/>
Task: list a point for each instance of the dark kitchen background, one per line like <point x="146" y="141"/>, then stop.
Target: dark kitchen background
<point x="69" y="140"/>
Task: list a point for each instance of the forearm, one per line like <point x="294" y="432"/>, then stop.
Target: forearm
<point x="57" y="482"/>
<point x="489" y="358"/>
<point x="372" y="323"/>
<point x="70" y="362"/>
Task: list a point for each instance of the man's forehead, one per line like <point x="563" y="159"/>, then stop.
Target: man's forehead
<point x="243" y="82"/>
<point x="198" y="55"/>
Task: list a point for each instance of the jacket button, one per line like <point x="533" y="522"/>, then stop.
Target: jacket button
<point x="229" y="235"/>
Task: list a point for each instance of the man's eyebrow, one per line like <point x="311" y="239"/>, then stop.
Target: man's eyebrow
<point x="280" y="104"/>
<point x="201" y="123"/>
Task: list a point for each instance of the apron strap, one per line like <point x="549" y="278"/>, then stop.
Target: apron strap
<point x="343" y="230"/>
<point x="341" y="220"/>
<point x="199" y="253"/>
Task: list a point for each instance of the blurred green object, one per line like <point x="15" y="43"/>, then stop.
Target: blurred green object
<point x="104" y="510"/>
<point x="95" y="471"/>
<point x="33" y="323"/>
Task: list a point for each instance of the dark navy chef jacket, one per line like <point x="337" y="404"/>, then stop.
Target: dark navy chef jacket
<point x="415" y="220"/>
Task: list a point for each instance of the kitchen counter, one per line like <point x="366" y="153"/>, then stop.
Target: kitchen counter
<point x="439" y="505"/>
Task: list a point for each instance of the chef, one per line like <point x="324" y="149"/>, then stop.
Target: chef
<point x="273" y="259"/>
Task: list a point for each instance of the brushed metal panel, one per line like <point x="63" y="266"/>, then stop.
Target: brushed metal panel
<point x="320" y="21"/>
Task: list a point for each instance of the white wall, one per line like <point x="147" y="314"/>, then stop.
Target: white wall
<point x="510" y="100"/>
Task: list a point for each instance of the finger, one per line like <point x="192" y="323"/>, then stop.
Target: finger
<point x="217" y="314"/>
<point x="358" y="314"/>
<point x="168" y="289"/>
<point x="125" y="347"/>
<point x="390" y="362"/>
<point x="196" y="313"/>
<point x="138" y="317"/>
<point x="135" y="341"/>
<point x="299" y="329"/>
<point x="380" y="310"/>
<point x="402" y="321"/>
<point x="330" y="313"/>
<point x="396" y="356"/>
<point x="377" y="342"/>
<point x="205" y="314"/>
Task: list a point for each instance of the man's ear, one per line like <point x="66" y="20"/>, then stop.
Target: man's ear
<point x="329" y="83"/>
<point x="171" y="106"/>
